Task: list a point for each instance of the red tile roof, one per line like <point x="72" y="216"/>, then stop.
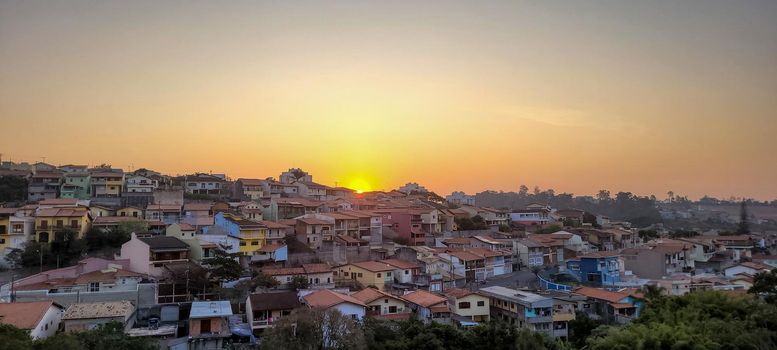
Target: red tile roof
<point x="326" y="298"/>
<point x="24" y="315"/>
<point x="423" y="298"/>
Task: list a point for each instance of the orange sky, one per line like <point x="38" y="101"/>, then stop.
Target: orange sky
<point x="578" y="97"/>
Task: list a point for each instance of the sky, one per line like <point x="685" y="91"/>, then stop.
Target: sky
<point x="578" y="96"/>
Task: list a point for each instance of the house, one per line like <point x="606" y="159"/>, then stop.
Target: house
<point x="75" y="185"/>
<point x="91" y="279"/>
<point x="106" y="183"/>
<point x="659" y="258"/>
<point x="326" y="299"/>
<point x="312" y="190"/>
<point x="39" y="318"/>
<point x="151" y="255"/>
<point x="141" y="184"/>
<point x="468" y="308"/>
<point x="748" y="267"/>
<point x="197" y="214"/>
<point x="276" y="252"/>
<point x="264" y="309"/>
<point x="134" y="212"/>
<point x="524" y="309"/>
<point x="597" y="267"/>
<point x="381" y="304"/>
<point x="313" y="231"/>
<point x="276" y="232"/>
<point x="345" y="225"/>
<point x="252" y="234"/>
<point x="428" y="306"/>
<point x="531" y="216"/>
<point x="620" y="307"/>
<point x="248" y="189"/>
<point x="457" y="242"/>
<point x="367" y="273"/>
<point x="86" y="316"/>
<point x="203" y="184"/>
<point x="167" y="213"/>
<point x="570" y="217"/>
<point x="44" y="185"/>
<point x="51" y="221"/>
<point x="404" y="271"/>
<point x="318" y="275"/>
<point x="15" y="230"/>
<point x="460" y="198"/>
<point x="111" y="222"/>
<point x="209" y="323"/>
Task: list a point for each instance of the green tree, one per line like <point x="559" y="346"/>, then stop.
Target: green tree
<point x="13" y="188"/>
<point x="13" y="338"/>
<point x="299" y="282"/>
<point x="223" y="266"/>
<point x="314" y="329"/>
<point x="765" y="286"/>
<point x="700" y="320"/>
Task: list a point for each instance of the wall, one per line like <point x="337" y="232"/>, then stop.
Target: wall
<point x="49" y="323"/>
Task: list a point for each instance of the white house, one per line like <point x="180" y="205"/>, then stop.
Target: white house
<point x="346" y="304"/>
<point x="40" y="318"/>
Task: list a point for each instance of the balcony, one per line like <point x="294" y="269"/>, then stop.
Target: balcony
<point x="259" y="324"/>
<point x="568" y="315"/>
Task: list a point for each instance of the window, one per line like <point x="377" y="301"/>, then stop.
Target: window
<point x="385" y="301"/>
<point x="388" y="274"/>
<point x="255" y="243"/>
<point x="481" y="303"/>
<point x="360" y="274"/>
<point x="2" y="229"/>
<point x="242" y="244"/>
<point x="94" y="287"/>
<point x="464" y="305"/>
<point x="407" y="272"/>
<point x="392" y="309"/>
<point x="378" y="274"/>
<point x="60" y="223"/>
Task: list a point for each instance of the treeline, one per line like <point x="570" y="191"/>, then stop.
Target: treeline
<point x="700" y="320"/>
<point x="640" y="211"/>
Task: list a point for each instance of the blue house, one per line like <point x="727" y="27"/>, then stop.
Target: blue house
<point x="597" y="267"/>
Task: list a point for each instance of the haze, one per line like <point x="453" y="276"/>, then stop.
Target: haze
<point x="577" y="96"/>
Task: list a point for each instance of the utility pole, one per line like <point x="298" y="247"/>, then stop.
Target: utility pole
<point x="40" y="250"/>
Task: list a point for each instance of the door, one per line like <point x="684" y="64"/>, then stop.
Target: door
<point x="204" y="326"/>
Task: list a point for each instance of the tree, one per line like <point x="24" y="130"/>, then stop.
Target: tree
<point x="223" y="266"/>
<point x="314" y="329"/>
<point x="299" y="282"/>
<point x="13" y="189"/>
<point x="523" y="191"/>
<point x="603" y="196"/>
<point x="744" y="221"/>
<point x="765" y="286"/>
<point x="580" y="329"/>
<point x="109" y="336"/>
<point x="699" y="320"/>
<point x="14" y="338"/>
<point x="652" y="293"/>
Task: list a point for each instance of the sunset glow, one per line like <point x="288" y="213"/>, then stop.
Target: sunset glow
<point x="632" y="96"/>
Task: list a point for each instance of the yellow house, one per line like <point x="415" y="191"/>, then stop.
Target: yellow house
<point x="368" y="273"/>
<point x="50" y="221"/>
<point x="5" y="228"/>
<point x="130" y="211"/>
<point x="252" y="234"/>
<point x="469" y="304"/>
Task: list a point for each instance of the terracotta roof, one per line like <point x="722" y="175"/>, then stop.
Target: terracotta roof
<point x="316" y="268"/>
<point x="423" y="298"/>
<point x="107" y="174"/>
<point x="164" y="243"/>
<point x="197" y="206"/>
<point x="269" y="248"/>
<point x="466" y="256"/>
<point x="338" y="216"/>
<point x="488" y="253"/>
<point x="164" y="207"/>
<point x="61" y="212"/>
<point x="622" y="305"/>
<point x="596" y="293"/>
<point x="105" y="276"/>
<point x="274" y="301"/>
<point x="24" y="315"/>
<point x="59" y="201"/>
<point x="368" y="295"/>
<point x="186" y="227"/>
<point x="273" y="224"/>
<point x="284" y="271"/>
<point x="401" y="264"/>
<point x="374" y="266"/>
<point x="99" y="310"/>
<point x="457" y="240"/>
<point x="458" y="292"/>
<point x="440" y="309"/>
<point x="326" y="298"/>
<point x="106" y="220"/>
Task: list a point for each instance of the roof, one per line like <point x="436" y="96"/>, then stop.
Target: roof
<point x="457" y="240"/>
<point x="274" y="301"/>
<point x="107" y="174"/>
<point x="59" y="201"/>
<point x="250" y="182"/>
<point x="597" y="293"/>
<point x="284" y="271"/>
<point x="326" y="298"/>
<point x="208" y="309"/>
<point x="465" y="256"/>
<point x="106" y="220"/>
<point x="197" y="206"/>
<point x="368" y="295"/>
<point x="459" y="292"/>
<point x="520" y="296"/>
<point x="269" y="248"/>
<point x="105" y="276"/>
<point x="24" y="315"/>
<point x="104" y="309"/>
<point x="401" y="264"/>
<point x="314" y="221"/>
<point x="316" y="268"/>
<point x="273" y="224"/>
<point x="61" y="212"/>
<point x="164" y="243"/>
<point x="600" y="254"/>
<point x="423" y="298"/>
<point x="374" y="266"/>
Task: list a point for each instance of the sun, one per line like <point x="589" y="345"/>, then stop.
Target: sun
<point x="360" y="185"/>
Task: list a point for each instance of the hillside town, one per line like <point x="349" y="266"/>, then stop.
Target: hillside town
<point x="203" y="261"/>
